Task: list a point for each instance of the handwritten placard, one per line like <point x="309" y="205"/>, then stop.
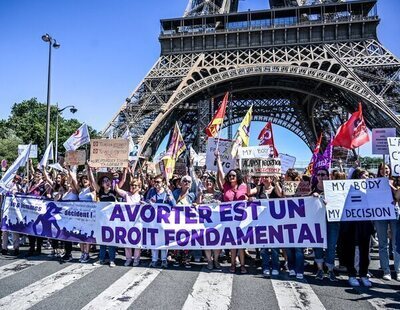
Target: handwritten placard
<point x="109" y="152"/>
<point x="75" y="158"/>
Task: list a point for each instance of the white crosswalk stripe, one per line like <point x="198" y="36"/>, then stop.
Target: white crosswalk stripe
<point x="123" y="292"/>
<point x="39" y="290"/>
<point x="296" y="295"/>
<point x="212" y="290"/>
<point x="17" y="266"/>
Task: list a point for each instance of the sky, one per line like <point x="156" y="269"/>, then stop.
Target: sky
<point x="107" y="48"/>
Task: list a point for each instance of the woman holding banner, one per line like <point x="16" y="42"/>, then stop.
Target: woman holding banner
<point x="132" y="197"/>
<point x="358" y="234"/>
<point x="233" y="189"/>
<point x="332" y="233"/>
<point x="160" y="194"/>
<point x="105" y="193"/>
<point x="382" y="232"/>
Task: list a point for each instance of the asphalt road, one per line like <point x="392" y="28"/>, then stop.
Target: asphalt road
<point x="42" y="282"/>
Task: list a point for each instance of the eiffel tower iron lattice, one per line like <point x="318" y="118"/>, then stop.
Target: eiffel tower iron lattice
<point x="303" y="67"/>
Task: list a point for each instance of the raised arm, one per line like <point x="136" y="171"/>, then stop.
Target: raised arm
<point x="74" y="181"/>
<point x="123" y="179"/>
<point x="47" y="178"/>
<point x="92" y="181"/>
<point x="120" y="191"/>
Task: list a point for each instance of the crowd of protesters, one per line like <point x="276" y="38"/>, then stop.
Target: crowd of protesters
<point x="350" y="242"/>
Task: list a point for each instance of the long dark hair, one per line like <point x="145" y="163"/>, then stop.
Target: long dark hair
<point x="239" y="176"/>
<point x="383" y="165"/>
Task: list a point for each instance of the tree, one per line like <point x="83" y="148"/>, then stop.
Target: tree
<point x="9" y="145"/>
<point x="28" y="124"/>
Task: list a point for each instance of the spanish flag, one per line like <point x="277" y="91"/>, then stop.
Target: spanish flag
<point x="215" y="124"/>
<point x="242" y="136"/>
<point x="175" y="148"/>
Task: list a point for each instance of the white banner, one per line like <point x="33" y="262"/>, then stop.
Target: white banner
<point x="259" y="167"/>
<point x="32" y="154"/>
<point x="287" y="162"/>
<point x="394" y="155"/>
<point x="274" y="223"/>
<point x="262" y="151"/>
<point x="359" y="200"/>
<point x="379" y="139"/>
<point x="224" y="148"/>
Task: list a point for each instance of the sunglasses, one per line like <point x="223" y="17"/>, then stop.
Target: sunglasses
<point x="157" y="182"/>
<point x="232" y="176"/>
<point x="321" y="174"/>
<point x="186" y="181"/>
<point x="134" y="185"/>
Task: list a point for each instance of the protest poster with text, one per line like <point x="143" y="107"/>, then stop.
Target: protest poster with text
<point x="224" y="148"/>
<point x="262" y="151"/>
<point x="34" y="150"/>
<point x="394" y="155"/>
<point x="380" y="139"/>
<point x="359" y="200"/>
<point x="260" y="167"/>
<point x="273" y="223"/>
<point x="110" y="153"/>
<point x="75" y="158"/>
<point x="289" y="188"/>
<point x="287" y="162"/>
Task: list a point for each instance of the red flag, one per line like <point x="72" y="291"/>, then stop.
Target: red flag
<point x="318" y="145"/>
<point x="216" y="123"/>
<point x="352" y="133"/>
<point x="266" y="137"/>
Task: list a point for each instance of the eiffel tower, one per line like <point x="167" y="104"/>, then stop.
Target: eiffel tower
<point x="303" y="65"/>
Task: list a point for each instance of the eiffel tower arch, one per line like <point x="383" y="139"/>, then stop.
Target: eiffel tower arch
<point x="302" y="66"/>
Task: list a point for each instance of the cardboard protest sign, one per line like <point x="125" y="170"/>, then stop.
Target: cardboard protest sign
<point x="359" y="200"/>
<point x="303" y="189"/>
<point x="75" y="158"/>
<point x="287" y="162"/>
<point x="180" y="168"/>
<point x="261" y="167"/>
<point x="109" y="152"/>
<point x="380" y="141"/>
<point x="224" y="148"/>
<point x="394" y="155"/>
<point x="289" y="188"/>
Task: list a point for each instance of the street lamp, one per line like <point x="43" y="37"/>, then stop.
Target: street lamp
<point x="52" y="42"/>
<point x="73" y="110"/>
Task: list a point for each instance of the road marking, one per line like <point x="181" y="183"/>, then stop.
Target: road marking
<point x="379" y="286"/>
<point x="212" y="290"/>
<point x="123" y="292"/>
<point x="295" y="295"/>
<point x="17" y="266"/>
<point x="36" y="292"/>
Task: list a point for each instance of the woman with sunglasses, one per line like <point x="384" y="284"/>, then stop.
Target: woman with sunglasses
<point x="183" y="196"/>
<point x="159" y="194"/>
<point x="382" y="228"/>
<point x="105" y="192"/>
<point x="332" y="230"/>
<point x="358" y="234"/>
<point x="132" y="197"/>
<point x="233" y="189"/>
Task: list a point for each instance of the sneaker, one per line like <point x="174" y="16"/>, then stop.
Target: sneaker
<point x="319" y="275"/>
<point x="176" y="264"/>
<point x="366" y="282"/>
<point x="398" y="276"/>
<point x="353" y="282"/>
<point x="387" y="277"/>
<point x="136" y="262"/>
<point x="52" y="253"/>
<point x="16" y="252"/>
<point x="197" y="259"/>
<point x="164" y="264"/>
<point x="187" y="265"/>
<point x="98" y="263"/>
<point x="275" y="272"/>
<point x="153" y="265"/>
<point x="81" y="258"/>
<point x="210" y="265"/>
<point x="66" y="257"/>
<point x="4" y="252"/>
<point x="217" y="264"/>
<point x="332" y="276"/>
<point x="299" y="276"/>
<point x="128" y="262"/>
<point x="112" y="264"/>
<point x="85" y="258"/>
<point x="292" y="273"/>
<point x="266" y="273"/>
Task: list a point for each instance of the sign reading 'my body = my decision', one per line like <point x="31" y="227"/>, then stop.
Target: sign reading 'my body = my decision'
<point x="359" y="200"/>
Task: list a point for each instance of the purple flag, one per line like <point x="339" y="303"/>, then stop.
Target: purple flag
<point x="323" y="160"/>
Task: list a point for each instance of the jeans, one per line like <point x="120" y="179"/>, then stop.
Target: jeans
<point x="154" y="255"/>
<point x="381" y="229"/>
<point x="267" y="255"/>
<point x="295" y="259"/>
<point x="111" y="252"/>
<point x="332" y="231"/>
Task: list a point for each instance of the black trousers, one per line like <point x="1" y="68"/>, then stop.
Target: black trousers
<point x="35" y="240"/>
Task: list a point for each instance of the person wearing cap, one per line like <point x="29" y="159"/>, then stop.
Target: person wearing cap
<point x="183" y="196"/>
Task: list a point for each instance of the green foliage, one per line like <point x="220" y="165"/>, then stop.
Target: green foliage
<point x="27" y="124"/>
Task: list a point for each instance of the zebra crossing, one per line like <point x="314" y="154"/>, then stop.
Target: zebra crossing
<point x="41" y="283"/>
